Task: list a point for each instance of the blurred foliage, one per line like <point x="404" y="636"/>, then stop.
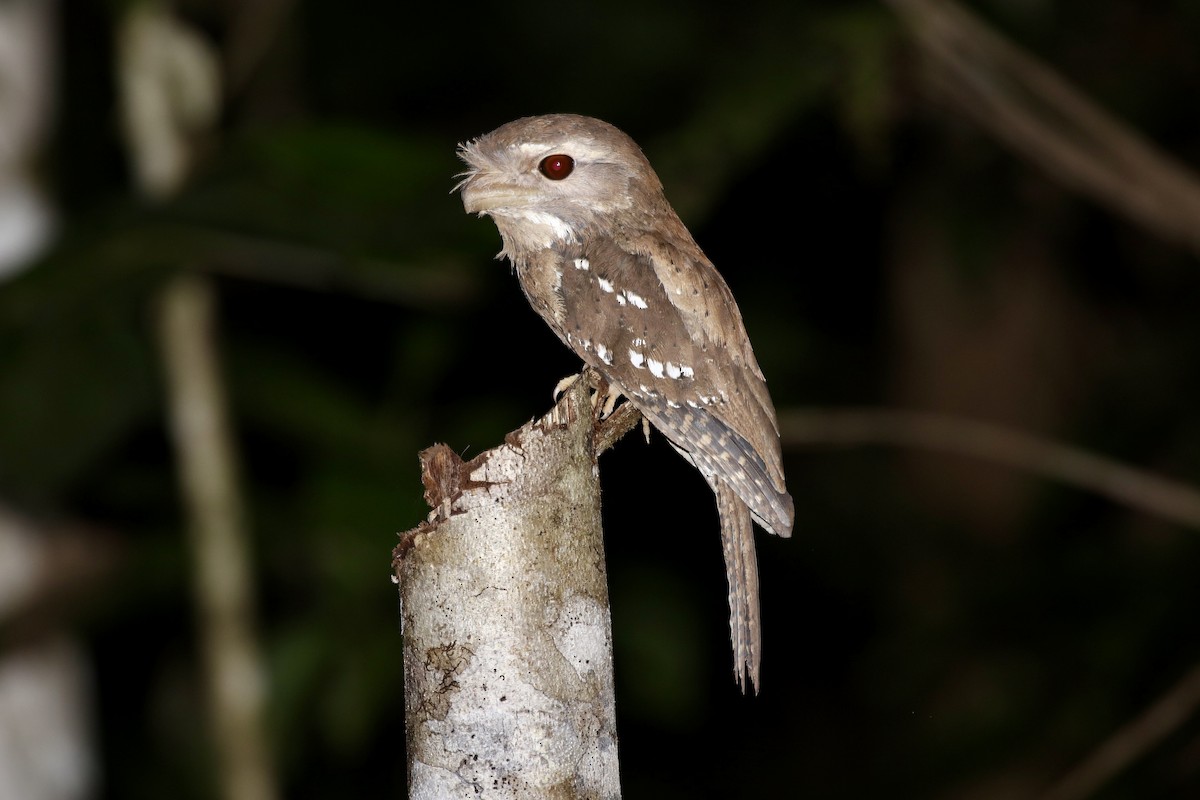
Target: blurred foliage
<point x="934" y="628"/>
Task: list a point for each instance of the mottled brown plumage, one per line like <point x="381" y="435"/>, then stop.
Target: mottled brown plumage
<point x="604" y="259"/>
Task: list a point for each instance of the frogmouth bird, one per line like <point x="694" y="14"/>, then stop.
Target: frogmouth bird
<point x="606" y="262"/>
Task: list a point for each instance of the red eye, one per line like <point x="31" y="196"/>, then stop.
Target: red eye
<point x="557" y="167"/>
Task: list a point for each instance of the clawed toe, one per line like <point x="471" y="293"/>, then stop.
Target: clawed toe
<point x="562" y="386"/>
<point x="604" y="394"/>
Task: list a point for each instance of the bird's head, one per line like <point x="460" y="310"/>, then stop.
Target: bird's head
<point x="555" y="176"/>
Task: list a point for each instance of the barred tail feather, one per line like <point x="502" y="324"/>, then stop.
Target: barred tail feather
<point x="741" y="569"/>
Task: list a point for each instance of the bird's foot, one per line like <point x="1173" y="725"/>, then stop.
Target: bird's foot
<point x="606" y="402"/>
<point x="562" y="386"/>
<point x="604" y="396"/>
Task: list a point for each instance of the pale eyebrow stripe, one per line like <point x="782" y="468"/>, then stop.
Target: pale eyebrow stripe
<point x="574" y="149"/>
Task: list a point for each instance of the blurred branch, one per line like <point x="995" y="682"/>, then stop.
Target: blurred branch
<point x="1129" y="743"/>
<point x="170" y="95"/>
<point x="1123" y="484"/>
<point x="47" y="570"/>
<point x="47" y="738"/>
<point x="170" y="91"/>
<point x="267" y="260"/>
<point x="1032" y="109"/>
<point x="28" y="67"/>
<point x="204" y="447"/>
<point x="147" y="254"/>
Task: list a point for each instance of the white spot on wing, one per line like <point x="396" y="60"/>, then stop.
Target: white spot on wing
<point x="636" y="299"/>
<point x="620" y="299"/>
<point x="582" y="263"/>
<point x="637" y="359"/>
<point x="604" y="353"/>
<point x="686" y="371"/>
<point x="605" y="285"/>
<point x="673" y="370"/>
<point x="639" y="342"/>
<point x="656" y="367"/>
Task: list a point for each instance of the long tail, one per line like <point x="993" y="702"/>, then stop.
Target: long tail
<point x="741" y="568"/>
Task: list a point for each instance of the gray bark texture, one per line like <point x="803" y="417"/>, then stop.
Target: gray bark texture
<point x="507" y="636"/>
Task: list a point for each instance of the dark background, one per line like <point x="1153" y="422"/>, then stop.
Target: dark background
<point x="936" y="627"/>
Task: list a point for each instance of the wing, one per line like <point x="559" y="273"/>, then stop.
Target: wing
<point x="686" y="365"/>
<point x="705" y="304"/>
